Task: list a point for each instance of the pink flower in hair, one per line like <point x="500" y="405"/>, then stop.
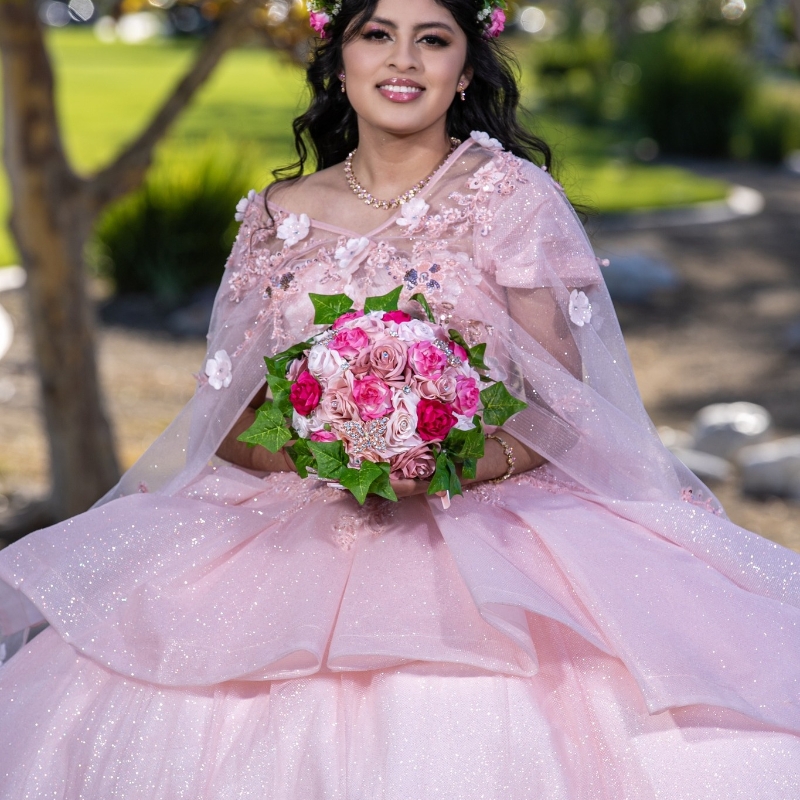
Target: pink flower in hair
<point x="497" y="23"/>
<point x="318" y="20"/>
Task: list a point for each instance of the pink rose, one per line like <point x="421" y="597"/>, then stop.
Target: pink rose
<point x="349" y="342"/>
<point x="318" y="20"/>
<point x="388" y="357"/>
<point x="415" y="463"/>
<point x="458" y="351"/>
<point x="497" y="24"/>
<point x="372" y="396"/>
<point x="396" y="316"/>
<point x="338" y="406"/>
<point x="305" y="394"/>
<point x="324" y="436"/>
<point x="443" y="388"/>
<point x="427" y="361"/>
<point x="401" y="428"/>
<point x="434" y="420"/>
<point x="467" y="396"/>
<point x="346" y="318"/>
<point x="296" y="368"/>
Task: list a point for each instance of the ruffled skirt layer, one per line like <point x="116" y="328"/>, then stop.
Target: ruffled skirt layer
<point x="269" y="639"/>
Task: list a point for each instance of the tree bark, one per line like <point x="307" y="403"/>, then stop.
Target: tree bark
<point x="52" y="216"/>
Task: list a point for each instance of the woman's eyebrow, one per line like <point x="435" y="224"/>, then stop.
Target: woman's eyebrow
<point x="423" y="25"/>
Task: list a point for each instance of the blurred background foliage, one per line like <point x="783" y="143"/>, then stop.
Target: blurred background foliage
<point x="625" y="91"/>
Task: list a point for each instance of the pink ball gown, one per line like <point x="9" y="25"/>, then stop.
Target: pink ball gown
<point x="592" y="629"/>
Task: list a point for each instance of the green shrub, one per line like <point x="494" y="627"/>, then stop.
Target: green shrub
<point x="572" y="73"/>
<point x="173" y="236"/>
<point x="692" y="93"/>
<point x="769" y="131"/>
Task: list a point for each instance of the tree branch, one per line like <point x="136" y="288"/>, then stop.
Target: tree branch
<point x="128" y="170"/>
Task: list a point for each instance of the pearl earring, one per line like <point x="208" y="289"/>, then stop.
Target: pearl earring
<point x="341" y="78"/>
<point x="462" y="91"/>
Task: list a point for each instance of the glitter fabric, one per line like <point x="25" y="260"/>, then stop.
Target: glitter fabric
<point x="593" y="630"/>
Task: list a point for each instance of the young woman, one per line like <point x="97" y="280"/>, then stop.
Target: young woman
<point x="583" y="623"/>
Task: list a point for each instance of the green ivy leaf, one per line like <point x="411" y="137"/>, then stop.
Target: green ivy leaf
<point x="359" y="481"/>
<point x="329" y="307"/>
<point x="268" y="430"/>
<point x="301" y="456"/>
<point x="276" y="365"/>
<point x="499" y="405"/>
<point x="382" y="486"/>
<point x="455" y="483"/>
<point x="280" y="389"/>
<point x="420" y="298"/>
<point x="465" y="444"/>
<point x="331" y="459"/>
<point x="440" y="480"/>
<point x="469" y="469"/>
<point x="476" y="357"/>
<point x="386" y="302"/>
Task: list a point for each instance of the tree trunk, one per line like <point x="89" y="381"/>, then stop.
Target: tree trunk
<point x="53" y="212"/>
<point x="50" y="221"/>
<point x="795" y="6"/>
<point x="622" y="21"/>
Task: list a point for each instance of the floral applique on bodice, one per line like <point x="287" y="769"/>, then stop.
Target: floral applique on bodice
<point x="428" y="247"/>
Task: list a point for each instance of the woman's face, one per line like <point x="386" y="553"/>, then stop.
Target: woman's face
<point x="403" y="67"/>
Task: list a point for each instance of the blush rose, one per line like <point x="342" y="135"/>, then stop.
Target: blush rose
<point x="346" y="318"/>
<point x="388" y="357"/>
<point x="416" y="463"/>
<point x="372" y="397"/>
<point x="467" y="396"/>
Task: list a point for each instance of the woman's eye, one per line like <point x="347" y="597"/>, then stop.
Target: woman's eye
<point x="434" y="40"/>
<point x="376" y="34"/>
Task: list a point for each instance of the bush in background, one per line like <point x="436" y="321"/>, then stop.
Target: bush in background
<point x="769" y="130"/>
<point x="173" y="236"/>
<point x="692" y="93"/>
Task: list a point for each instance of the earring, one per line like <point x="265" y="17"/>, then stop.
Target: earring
<point x="462" y="91"/>
<point x="341" y="78"/>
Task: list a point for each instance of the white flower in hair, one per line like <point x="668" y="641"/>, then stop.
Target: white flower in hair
<point x="219" y="370"/>
<point x="412" y="213"/>
<point x="580" y="309"/>
<point x="351" y="249"/>
<point x="243" y="205"/>
<point x="484" y="140"/>
<point x="294" y="229"/>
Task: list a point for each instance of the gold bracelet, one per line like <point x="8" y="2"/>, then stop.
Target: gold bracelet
<point x="510" y="460"/>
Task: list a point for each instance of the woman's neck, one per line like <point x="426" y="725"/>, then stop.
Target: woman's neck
<point x="388" y="165"/>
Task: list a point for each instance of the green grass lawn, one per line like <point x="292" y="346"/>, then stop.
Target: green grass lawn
<point x="107" y="92"/>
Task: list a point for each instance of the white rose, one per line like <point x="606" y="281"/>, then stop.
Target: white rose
<point x="415" y="331"/>
<point x="401" y="428"/>
<point x="300" y="424"/>
<point x="371" y="323"/>
<point x="323" y="363"/>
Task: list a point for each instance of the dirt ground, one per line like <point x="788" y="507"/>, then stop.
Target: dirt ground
<point x="721" y="341"/>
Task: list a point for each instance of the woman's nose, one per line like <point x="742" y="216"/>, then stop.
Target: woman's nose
<point x="403" y="55"/>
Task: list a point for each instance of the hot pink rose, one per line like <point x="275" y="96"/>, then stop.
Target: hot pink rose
<point x="458" y="351"/>
<point x="324" y="436"/>
<point x="373" y="397"/>
<point x="497" y="24"/>
<point x="305" y="394"/>
<point x="349" y="342"/>
<point x="467" y="396"/>
<point x="396" y="316"/>
<point x="346" y="318"/>
<point x="415" y="463"/>
<point x="388" y="357"/>
<point x="427" y="361"/>
<point x="434" y="420"/>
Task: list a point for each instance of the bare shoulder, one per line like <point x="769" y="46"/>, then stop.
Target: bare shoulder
<point x="313" y="194"/>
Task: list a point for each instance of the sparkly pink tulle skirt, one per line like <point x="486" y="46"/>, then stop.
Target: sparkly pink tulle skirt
<point x="271" y="640"/>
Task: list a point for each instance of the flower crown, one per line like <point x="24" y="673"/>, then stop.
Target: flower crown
<point x="491" y="16"/>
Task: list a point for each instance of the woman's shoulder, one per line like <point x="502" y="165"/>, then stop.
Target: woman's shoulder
<point x="309" y="194"/>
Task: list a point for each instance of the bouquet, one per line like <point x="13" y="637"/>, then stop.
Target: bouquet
<point x="380" y="394"/>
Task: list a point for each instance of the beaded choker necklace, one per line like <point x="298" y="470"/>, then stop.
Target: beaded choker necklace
<point x="362" y="194"/>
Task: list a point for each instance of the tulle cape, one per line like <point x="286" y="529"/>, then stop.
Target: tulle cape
<point x="192" y="572"/>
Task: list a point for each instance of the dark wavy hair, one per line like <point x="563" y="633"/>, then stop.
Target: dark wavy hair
<point x="329" y="127"/>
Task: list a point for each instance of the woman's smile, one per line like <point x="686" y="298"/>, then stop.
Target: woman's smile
<point x="400" y="90"/>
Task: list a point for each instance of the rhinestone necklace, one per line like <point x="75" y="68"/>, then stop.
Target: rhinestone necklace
<point x="362" y="194"/>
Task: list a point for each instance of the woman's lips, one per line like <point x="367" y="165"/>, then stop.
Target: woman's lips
<point x="400" y="92"/>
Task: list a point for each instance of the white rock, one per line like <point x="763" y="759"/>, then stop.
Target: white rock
<point x="724" y="428"/>
<point x="772" y="468"/>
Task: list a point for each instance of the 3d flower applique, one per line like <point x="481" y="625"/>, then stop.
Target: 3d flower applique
<point x="350" y="251"/>
<point x="412" y="214"/>
<point x="580" y="309"/>
<point x="244" y="204"/>
<point x="219" y="370"/>
<point x="484" y="140"/>
<point x="294" y="229"/>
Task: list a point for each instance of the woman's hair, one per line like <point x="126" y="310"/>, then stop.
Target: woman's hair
<point x="329" y="128"/>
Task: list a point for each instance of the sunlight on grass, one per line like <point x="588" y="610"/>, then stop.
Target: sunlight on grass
<point x="106" y="94"/>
